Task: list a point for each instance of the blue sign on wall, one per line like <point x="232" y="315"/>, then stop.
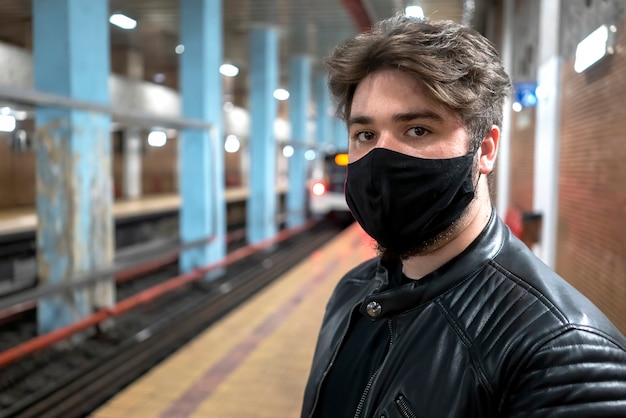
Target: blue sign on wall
<point x="526" y="94"/>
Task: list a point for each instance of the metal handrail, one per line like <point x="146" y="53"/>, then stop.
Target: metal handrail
<point x="137" y="118"/>
<point x="90" y="278"/>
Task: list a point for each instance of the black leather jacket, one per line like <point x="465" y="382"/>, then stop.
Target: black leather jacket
<point x="492" y="333"/>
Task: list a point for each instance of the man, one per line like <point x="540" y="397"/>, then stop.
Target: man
<point x="456" y="317"/>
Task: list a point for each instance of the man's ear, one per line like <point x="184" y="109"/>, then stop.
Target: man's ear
<point x="489" y="150"/>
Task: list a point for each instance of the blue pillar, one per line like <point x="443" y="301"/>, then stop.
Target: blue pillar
<point x="300" y="86"/>
<point x="261" y="207"/>
<point x="201" y="152"/>
<point x="323" y="138"/>
<point x="74" y="192"/>
<point x="340" y="134"/>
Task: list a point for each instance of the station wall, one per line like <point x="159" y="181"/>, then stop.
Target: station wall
<point x="591" y="241"/>
<point x="591" y="230"/>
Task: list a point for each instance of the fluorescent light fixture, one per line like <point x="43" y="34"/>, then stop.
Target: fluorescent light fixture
<point x="123" y="21"/>
<point x="281" y="94"/>
<point x="228" y="70"/>
<point x="180" y="48"/>
<point x="594" y="47"/>
<point x="414" y="11"/>
<point x="157" y="138"/>
<point x="7" y="123"/>
<point x="232" y="144"/>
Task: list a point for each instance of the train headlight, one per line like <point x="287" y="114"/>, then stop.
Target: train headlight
<point x="318" y="189"/>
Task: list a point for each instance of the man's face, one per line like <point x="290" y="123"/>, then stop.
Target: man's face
<point x="390" y="110"/>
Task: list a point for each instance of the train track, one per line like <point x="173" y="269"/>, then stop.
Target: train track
<point x="173" y="321"/>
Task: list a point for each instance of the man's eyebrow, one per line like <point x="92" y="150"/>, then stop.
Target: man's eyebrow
<point x="399" y="117"/>
<point x="409" y="116"/>
<point x="359" y="120"/>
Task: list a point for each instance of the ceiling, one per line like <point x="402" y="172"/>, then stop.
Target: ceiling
<point x="310" y="27"/>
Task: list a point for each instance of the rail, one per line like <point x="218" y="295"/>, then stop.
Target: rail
<point x="134" y="117"/>
<point x="43" y="341"/>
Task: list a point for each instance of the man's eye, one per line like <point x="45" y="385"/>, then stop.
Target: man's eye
<point x="417" y="131"/>
<point x="364" y="136"/>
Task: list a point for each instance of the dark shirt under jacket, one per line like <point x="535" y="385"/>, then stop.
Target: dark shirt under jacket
<point x="364" y="349"/>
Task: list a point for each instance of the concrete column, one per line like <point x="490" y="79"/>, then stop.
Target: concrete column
<point x="300" y="88"/>
<point x="203" y="209"/>
<point x="131" y="181"/>
<point x="323" y="137"/>
<point x="503" y="168"/>
<point x="547" y="132"/>
<point x="74" y="186"/>
<point x="261" y="207"/>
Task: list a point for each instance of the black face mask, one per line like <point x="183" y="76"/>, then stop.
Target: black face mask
<point x="404" y="202"/>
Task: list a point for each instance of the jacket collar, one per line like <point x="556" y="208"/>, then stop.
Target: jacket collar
<point x="412" y="295"/>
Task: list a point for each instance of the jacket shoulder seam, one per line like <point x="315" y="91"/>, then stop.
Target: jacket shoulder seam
<point x="467" y="342"/>
<point x="518" y="281"/>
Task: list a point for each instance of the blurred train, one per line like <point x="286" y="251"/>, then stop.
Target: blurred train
<point x="326" y="173"/>
<point x="326" y="185"/>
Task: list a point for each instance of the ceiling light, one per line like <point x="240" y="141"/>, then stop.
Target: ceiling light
<point x="281" y="94"/>
<point x="157" y="138"/>
<point x="179" y="49"/>
<point x="232" y="144"/>
<point x="123" y="21"/>
<point x="310" y="155"/>
<point x="228" y="70"/>
<point x="414" y="11"/>
<point x="7" y="123"/>
<point x="288" y="151"/>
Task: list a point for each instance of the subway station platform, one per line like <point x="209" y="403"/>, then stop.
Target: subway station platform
<point x="24" y="219"/>
<point x="253" y="362"/>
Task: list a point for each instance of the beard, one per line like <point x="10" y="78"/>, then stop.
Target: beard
<point x="426" y="247"/>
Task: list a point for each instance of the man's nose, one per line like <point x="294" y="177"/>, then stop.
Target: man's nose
<point x="388" y="141"/>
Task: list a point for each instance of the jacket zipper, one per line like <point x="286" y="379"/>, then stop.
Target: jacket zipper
<point x="404" y="407"/>
<point x="359" y="408"/>
<point x="332" y="361"/>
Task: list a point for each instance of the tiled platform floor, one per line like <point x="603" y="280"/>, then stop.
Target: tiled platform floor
<point x="254" y="362"/>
